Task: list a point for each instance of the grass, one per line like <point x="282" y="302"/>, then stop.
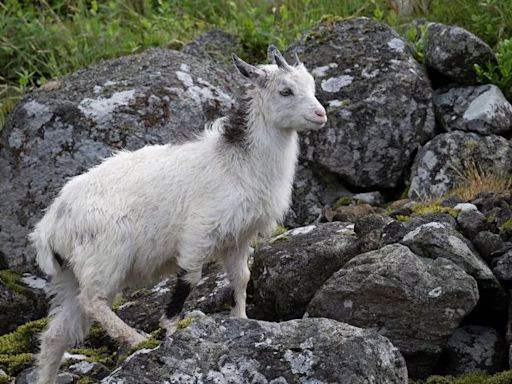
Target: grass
<point x="46" y="39"/>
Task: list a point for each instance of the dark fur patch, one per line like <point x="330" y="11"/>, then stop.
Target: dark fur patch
<point x="181" y="291"/>
<point x="236" y="130"/>
<point x="59" y="259"/>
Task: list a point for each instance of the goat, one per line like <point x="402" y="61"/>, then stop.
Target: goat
<point x="163" y="209"/>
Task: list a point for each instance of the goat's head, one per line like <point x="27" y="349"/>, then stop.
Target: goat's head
<point x="286" y="92"/>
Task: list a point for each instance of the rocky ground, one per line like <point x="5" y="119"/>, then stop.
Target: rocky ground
<point x="397" y="258"/>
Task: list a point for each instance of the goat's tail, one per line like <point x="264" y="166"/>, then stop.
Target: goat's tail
<point x="46" y="257"/>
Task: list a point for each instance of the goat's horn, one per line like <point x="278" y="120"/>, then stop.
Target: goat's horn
<point x="275" y="57"/>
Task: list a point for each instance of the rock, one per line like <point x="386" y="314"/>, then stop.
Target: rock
<point x="18" y="303"/>
<point x="29" y="376"/>
<point x="378" y="100"/>
<point x="93" y="369"/>
<point x="503" y="266"/>
<point x="417" y="221"/>
<point x="452" y="52"/>
<point x="288" y="270"/>
<point x="472" y="348"/>
<point x="464" y="207"/>
<point x="481" y="109"/>
<point x="220" y="350"/>
<point x="490" y="245"/>
<point x="471" y="223"/>
<point x="351" y="213"/>
<point x="154" y="97"/>
<point x="372" y="198"/>
<point x="440" y="162"/>
<point x="217" y="45"/>
<point x="435" y="240"/>
<point x="393" y="232"/>
<point x="369" y="231"/>
<point x="415" y="302"/>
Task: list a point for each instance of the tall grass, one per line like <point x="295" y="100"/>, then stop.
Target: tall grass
<point x="44" y="39"/>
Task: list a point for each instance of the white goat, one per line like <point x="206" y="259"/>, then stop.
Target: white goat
<point x="166" y="209"/>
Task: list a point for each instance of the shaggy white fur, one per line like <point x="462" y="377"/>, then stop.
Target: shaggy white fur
<point x="164" y="209"/>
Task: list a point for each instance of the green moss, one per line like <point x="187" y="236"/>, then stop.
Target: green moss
<point x="23" y="339"/>
<point x="422" y="209"/>
<point x="6" y="379"/>
<point x="184" y="323"/>
<point x="118" y="301"/>
<point x="13" y="364"/>
<point x="403" y="218"/>
<point x="491" y="219"/>
<point x="279" y="230"/>
<point x="507" y="227"/>
<point x="473" y="378"/>
<point x="85" y="380"/>
<point x="342" y="202"/>
<point x="101" y="355"/>
<point x="13" y="281"/>
<point x="280" y="238"/>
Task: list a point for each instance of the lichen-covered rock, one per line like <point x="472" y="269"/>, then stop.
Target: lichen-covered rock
<point x="440" y="162"/>
<point x="453" y="51"/>
<point x="471" y="223"/>
<point x="378" y="100"/>
<point x="481" y="109"/>
<point x="434" y="240"/>
<point x="220" y="350"/>
<point x="416" y="302"/>
<point x="472" y="348"/>
<point x="288" y="270"/>
<point x="158" y="96"/>
<point x="216" y="44"/>
<point x="490" y="245"/>
<point x="369" y="230"/>
<point x="503" y="266"/>
<point x="19" y="302"/>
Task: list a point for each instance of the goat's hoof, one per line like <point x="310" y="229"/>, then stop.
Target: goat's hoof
<point x="170" y="325"/>
<point x="136" y="339"/>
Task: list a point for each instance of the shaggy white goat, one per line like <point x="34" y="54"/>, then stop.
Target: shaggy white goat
<point x="167" y="209"/>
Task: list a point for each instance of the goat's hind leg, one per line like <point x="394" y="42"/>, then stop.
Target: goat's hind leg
<point x="68" y="325"/>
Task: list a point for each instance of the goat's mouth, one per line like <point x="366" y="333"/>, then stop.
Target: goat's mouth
<point x="320" y="122"/>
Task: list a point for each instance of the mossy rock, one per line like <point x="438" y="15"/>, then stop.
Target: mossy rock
<point x="507" y="227"/>
<point x="473" y="378"/>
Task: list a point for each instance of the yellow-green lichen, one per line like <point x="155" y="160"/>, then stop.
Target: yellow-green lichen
<point x="13" y="364"/>
<point x="85" y="380"/>
<point x="491" y="219"/>
<point x="101" y="355"/>
<point x="118" y="301"/>
<point x="23" y="339"/>
<point x="403" y="218"/>
<point x="5" y="379"/>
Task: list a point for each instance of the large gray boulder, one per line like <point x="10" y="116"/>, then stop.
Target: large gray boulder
<point x="483" y="109"/>
<point x="440" y="163"/>
<point x="378" y="100"/>
<point x="289" y="269"/>
<point x="231" y="351"/>
<point x="453" y="51"/>
<point x="59" y="131"/>
<point x="416" y="302"/>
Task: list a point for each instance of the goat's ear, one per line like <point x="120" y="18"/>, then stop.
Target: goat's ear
<point x="275" y="57"/>
<point x="254" y="74"/>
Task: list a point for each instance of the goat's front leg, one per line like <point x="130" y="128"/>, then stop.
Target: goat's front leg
<point x="186" y="281"/>
<point x="235" y="265"/>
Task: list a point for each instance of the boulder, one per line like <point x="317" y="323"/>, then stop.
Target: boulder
<point x="369" y="230"/>
<point x="481" y="109"/>
<point x="452" y="52"/>
<point x="441" y="162"/>
<point x="288" y="270"/>
<point x="434" y="240"/>
<point x="472" y="348"/>
<point x="471" y="223"/>
<point x="503" y="266"/>
<point x="158" y="96"/>
<point x="490" y="245"/>
<point x="221" y="350"/>
<point x="378" y="100"/>
<point x="416" y="302"/>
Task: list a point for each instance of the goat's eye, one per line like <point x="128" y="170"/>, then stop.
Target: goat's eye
<point x="286" y="92"/>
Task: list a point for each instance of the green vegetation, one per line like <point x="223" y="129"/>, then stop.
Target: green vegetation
<point x="12" y="280"/>
<point x="430" y="207"/>
<point x="473" y="378"/>
<point x="343" y="201"/>
<point x="16" y="348"/>
<point x="279" y="230"/>
<point x="46" y="39"/>
<point x="507" y="227"/>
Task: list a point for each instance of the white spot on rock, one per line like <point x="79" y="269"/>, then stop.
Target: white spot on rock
<point x="464" y="207"/>
<point x="101" y="109"/>
<point x="301" y="230"/>
<point x="334" y="84"/>
<point x="488" y="104"/>
<point x="34" y="281"/>
<point x="184" y="67"/>
<point x="436" y="292"/>
<point x="161" y="288"/>
<point x="396" y="45"/>
<point x="185" y="78"/>
<point x="71" y="356"/>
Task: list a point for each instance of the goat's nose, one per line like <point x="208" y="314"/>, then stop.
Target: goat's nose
<point x="320" y="111"/>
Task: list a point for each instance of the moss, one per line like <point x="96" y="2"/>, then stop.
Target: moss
<point x="342" y="202"/>
<point x="403" y="218"/>
<point x="422" y="209"/>
<point x="12" y="280"/>
<point x="85" y="380"/>
<point x="491" y="219"/>
<point x="23" y="339"/>
<point x="118" y="301"/>
<point x="6" y="379"/>
<point x="280" y="238"/>
<point x="473" y="378"/>
<point x="279" y="230"/>
<point x="101" y="355"/>
<point x="507" y="227"/>
<point x="184" y="323"/>
<point x="13" y="364"/>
